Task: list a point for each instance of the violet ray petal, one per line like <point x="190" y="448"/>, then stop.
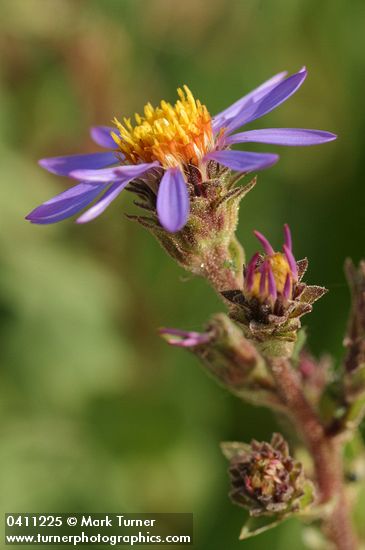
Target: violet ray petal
<point x="247" y="111"/>
<point x="287" y="287"/>
<point x="102" y="136"/>
<point x="225" y="116"/>
<point x="65" y="204"/>
<point x="63" y="166"/>
<point x="282" y="136"/>
<point x="272" y="283"/>
<point x="277" y="95"/>
<point x="265" y="243"/>
<point x="99" y="207"/>
<point x="125" y="175"/>
<point x="115" y="173"/>
<point x="287" y="237"/>
<point x="291" y="261"/>
<point x="243" y="161"/>
<point x="173" y="200"/>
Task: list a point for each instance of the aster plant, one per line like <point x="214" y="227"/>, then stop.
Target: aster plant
<point x="180" y="163"/>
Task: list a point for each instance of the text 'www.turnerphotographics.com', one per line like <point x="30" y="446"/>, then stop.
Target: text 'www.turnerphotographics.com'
<point x="111" y="529"/>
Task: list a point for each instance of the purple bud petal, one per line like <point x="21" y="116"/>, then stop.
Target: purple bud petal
<point x="291" y="261"/>
<point x="265" y="243"/>
<point x="184" y="338"/>
<point x="250" y="270"/>
<point x="287" y="287"/>
<point x="263" y="278"/>
<point x="287" y="236"/>
<point x="272" y="284"/>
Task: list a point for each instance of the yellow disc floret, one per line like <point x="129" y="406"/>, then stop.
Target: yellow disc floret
<point x="170" y="134"/>
<point x="281" y="271"/>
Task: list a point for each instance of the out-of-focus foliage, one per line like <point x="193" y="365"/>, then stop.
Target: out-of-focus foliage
<point x="96" y="412"/>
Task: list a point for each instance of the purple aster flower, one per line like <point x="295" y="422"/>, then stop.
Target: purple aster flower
<point x="166" y="154"/>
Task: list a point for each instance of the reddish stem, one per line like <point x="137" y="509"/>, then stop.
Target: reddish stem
<point x="326" y="453"/>
<point x="220" y="269"/>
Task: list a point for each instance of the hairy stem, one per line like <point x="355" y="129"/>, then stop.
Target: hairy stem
<point x="222" y="266"/>
<point x="326" y="453"/>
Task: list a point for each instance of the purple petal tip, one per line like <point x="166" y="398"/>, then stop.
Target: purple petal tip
<point x="184" y="339"/>
<point x="287" y="236"/>
<point x="291" y="261"/>
<point x="272" y="283"/>
<point x="250" y="271"/>
<point x="263" y="278"/>
<point x="265" y="243"/>
<point x="287" y="287"/>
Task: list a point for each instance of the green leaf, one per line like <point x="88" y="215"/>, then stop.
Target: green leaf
<point x="299" y="344"/>
<point x="257" y="525"/>
<point x="306" y="500"/>
<point x="230" y="449"/>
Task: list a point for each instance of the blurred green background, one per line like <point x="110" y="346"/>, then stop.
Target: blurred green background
<point x="97" y="413"/>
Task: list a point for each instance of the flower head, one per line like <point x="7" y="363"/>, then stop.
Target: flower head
<point x="273" y="297"/>
<point x="168" y="153"/>
<point x="265" y="478"/>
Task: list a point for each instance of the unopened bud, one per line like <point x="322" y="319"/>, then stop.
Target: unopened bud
<point x="231" y="358"/>
<point x="273" y="297"/>
<point x="265" y="479"/>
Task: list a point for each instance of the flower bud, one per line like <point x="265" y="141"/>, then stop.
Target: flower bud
<point x="273" y="297"/>
<point x="265" y="479"/>
<point x="231" y="359"/>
